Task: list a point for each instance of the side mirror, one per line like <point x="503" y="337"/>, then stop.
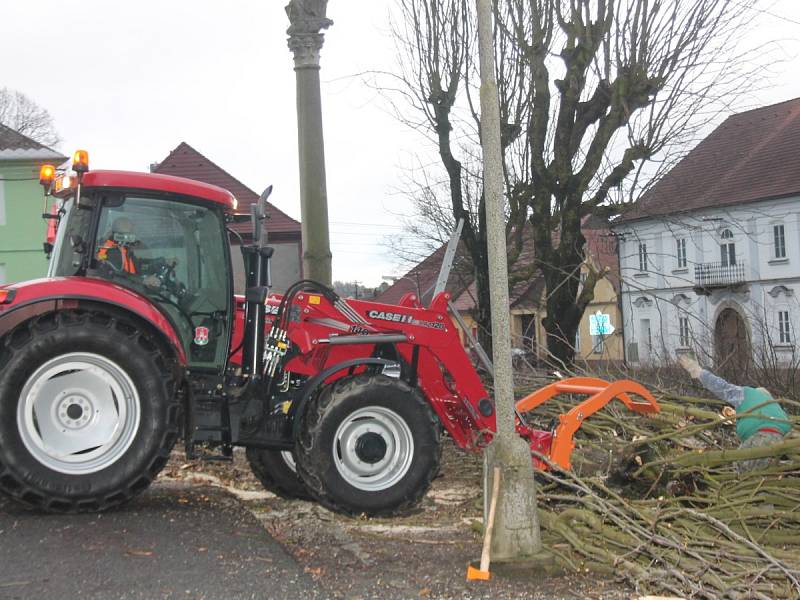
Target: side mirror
<point x="77" y="243"/>
<point x="259" y="213"/>
<point x="262" y="200"/>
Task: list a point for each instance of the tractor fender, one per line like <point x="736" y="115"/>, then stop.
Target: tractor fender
<point x="312" y="385"/>
<point x="40" y="296"/>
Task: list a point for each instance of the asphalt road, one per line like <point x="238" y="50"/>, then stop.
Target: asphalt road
<point x="173" y="541"/>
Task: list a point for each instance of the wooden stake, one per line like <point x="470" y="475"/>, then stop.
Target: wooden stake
<point x="483" y="572"/>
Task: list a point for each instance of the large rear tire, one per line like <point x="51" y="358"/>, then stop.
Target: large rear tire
<point x="88" y="411"/>
<point x="370" y="444"/>
<point x="277" y="472"/>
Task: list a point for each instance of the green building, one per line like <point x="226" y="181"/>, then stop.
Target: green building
<point x="22" y="229"/>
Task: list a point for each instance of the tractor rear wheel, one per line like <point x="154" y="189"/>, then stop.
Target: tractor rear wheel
<point x="88" y="411"/>
<point x="277" y="472"/>
<point x="369" y="444"/>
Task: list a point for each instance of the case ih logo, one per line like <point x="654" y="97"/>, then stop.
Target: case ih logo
<point x="201" y="336"/>
<point x="379" y="315"/>
<point x="388" y="316"/>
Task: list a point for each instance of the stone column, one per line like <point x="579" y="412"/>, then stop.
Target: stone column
<point x="307" y="20"/>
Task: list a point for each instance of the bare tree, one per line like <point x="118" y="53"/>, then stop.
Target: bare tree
<point x="24" y="116"/>
<point x="435" y="41"/>
<point x="437" y="70"/>
<point x="597" y="99"/>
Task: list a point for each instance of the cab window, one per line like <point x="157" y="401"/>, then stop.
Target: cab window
<point x="174" y="253"/>
<point x="70" y="242"/>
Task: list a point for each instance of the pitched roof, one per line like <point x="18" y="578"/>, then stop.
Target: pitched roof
<point x="601" y="245"/>
<point x="525" y="294"/>
<point x="421" y="279"/>
<point x="185" y="161"/>
<point x="15" y="146"/>
<point x="751" y="156"/>
<point x="467" y="299"/>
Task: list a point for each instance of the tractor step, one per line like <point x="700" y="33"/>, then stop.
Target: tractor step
<point x="272" y="431"/>
<point x="217" y="458"/>
<point x="225" y="454"/>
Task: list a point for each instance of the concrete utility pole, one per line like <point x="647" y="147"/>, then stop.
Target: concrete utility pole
<point x="516" y="530"/>
<point x="307" y="19"/>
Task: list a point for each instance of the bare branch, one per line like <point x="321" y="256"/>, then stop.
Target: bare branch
<point x="23" y="115"/>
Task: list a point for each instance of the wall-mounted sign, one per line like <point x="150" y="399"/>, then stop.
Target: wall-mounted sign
<point x="600" y="324"/>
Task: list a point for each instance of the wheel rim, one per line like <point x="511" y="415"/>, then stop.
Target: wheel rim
<point x="78" y="413"/>
<point x="373" y="448"/>
<point x="288" y="458"/>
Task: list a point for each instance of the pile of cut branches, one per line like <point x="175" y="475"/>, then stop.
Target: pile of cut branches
<point x="660" y="502"/>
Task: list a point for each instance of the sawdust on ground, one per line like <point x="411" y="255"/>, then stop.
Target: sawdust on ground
<point x="422" y="554"/>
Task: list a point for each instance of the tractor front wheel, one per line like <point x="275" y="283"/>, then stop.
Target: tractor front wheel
<point x="88" y="411"/>
<point x="369" y="444"/>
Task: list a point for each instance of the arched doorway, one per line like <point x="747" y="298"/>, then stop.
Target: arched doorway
<point x="732" y="353"/>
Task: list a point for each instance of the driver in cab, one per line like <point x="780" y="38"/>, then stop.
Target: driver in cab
<point x="118" y="252"/>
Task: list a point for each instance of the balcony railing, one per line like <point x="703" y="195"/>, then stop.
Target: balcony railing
<point x="718" y="275"/>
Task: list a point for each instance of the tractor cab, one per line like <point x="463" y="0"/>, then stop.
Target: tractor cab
<point x="159" y="236"/>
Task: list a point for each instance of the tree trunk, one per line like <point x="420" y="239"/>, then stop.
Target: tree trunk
<point x="482" y="313"/>
<point x="562" y="320"/>
<point x="566" y="297"/>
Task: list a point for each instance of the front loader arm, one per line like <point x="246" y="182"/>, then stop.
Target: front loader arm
<point x="445" y="373"/>
<point x="426" y="340"/>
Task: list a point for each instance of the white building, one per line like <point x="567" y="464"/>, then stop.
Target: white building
<point x="710" y="257"/>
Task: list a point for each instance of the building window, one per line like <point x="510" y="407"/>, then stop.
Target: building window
<point x="644" y="333"/>
<point x="779" y="237"/>
<point x="683" y="331"/>
<point x="727" y="249"/>
<point x="680" y="244"/>
<point x="598" y="344"/>
<point x="528" y="328"/>
<point x="642" y="256"/>
<point x="784" y="335"/>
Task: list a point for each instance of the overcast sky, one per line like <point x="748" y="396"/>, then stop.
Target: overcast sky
<point x="130" y="80"/>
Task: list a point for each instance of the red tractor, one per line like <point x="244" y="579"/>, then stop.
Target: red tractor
<point x="135" y="339"/>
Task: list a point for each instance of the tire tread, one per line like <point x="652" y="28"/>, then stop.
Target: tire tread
<point x="14" y="486"/>
<point x="280" y="484"/>
<point x="325" y="401"/>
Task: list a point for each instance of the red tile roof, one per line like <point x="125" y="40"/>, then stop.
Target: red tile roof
<point x="466" y="301"/>
<point x="526" y="294"/>
<point x="751" y="156"/>
<point x="602" y="246"/>
<point x="185" y="161"/>
<point x="421" y="280"/>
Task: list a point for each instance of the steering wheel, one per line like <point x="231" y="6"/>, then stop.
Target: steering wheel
<point x="168" y="290"/>
<point x="106" y="267"/>
<point x="163" y="270"/>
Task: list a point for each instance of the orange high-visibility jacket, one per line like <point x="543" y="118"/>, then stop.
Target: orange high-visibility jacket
<point x="126" y="257"/>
